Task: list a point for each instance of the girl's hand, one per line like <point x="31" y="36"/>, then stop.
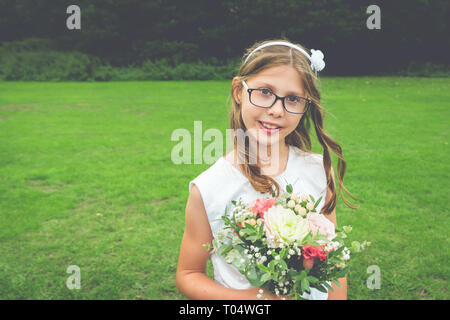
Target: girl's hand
<point x="272" y="296"/>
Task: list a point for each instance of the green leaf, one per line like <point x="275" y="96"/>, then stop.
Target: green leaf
<point x="317" y="202"/>
<point x="223" y="250"/>
<point x="282" y="264"/>
<point x="289" y="188"/>
<point x="320" y="237"/>
<point x="305" y="285"/>
<point x="328" y="286"/>
<point x="283" y="253"/>
<point x="356" y="246"/>
<point x="266" y="277"/>
<point x="312" y="279"/>
<point x="263" y="268"/>
<point x="337" y="283"/>
<point x="271" y="265"/>
<point x="321" y="288"/>
<point x="215" y="245"/>
<point x="261" y="229"/>
<point x="251" y="274"/>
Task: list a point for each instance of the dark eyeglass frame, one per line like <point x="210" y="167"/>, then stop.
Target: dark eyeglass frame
<point x="249" y="90"/>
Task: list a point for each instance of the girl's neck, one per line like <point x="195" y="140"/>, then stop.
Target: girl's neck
<point x="272" y="164"/>
<point x="273" y="159"/>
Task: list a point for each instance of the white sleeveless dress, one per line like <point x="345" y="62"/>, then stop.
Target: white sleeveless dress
<point x="223" y="182"/>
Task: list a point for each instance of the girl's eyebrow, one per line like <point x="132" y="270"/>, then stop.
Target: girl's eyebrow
<point x="265" y="84"/>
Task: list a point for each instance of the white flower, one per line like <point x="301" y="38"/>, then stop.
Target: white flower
<point x="233" y="256"/>
<point x="284" y="225"/>
<point x="310" y="206"/>
<point x="294" y="197"/>
<point x="347" y="229"/>
<point x="316" y="59"/>
<point x="291" y="204"/>
<point x="301" y="211"/>
<point x="222" y="234"/>
<point x="304" y="198"/>
<point x="346" y="254"/>
<point x="333" y="245"/>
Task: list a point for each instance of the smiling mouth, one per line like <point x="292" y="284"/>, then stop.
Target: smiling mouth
<point x="269" y="128"/>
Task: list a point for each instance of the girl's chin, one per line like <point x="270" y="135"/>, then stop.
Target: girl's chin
<point x="266" y="139"/>
<point x="256" y="134"/>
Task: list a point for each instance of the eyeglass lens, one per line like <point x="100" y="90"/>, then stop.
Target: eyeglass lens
<point x="265" y="98"/>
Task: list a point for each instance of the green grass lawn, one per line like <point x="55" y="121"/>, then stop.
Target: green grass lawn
<point x="86" y="179"/>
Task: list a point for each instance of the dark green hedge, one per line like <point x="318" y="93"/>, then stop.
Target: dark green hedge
<point x="39" y="60"/>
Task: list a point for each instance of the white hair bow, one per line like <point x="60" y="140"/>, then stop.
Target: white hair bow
<point x="316" y="57"/>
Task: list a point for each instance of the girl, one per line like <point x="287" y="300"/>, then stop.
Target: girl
<point x="274" y="98"/>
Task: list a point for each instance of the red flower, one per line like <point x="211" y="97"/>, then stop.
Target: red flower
<point x="309" y="252"/>
<point x="262" y="205"/>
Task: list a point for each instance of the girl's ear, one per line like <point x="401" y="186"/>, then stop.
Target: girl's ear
<point x="237" y="89"/>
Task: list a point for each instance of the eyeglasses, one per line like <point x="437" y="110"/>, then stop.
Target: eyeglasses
<point x="265" y="98"/>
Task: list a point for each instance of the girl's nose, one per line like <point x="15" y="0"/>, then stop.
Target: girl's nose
<point x="277" y="109"/>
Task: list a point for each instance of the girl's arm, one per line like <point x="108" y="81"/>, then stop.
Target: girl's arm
<point x="338" y="293"/>
<point x="191" y="278"/>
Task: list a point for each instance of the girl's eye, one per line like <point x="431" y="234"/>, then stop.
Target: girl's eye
<point x="266" y="91"/>
<point x="293" y="98"/>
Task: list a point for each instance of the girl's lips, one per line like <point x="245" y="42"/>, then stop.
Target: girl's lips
<point x="267" y="130"/>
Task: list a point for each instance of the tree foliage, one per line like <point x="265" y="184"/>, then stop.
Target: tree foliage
<point x="129" y="32"/>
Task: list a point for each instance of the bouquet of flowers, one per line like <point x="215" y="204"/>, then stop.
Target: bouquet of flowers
<point x="283" y="245"/>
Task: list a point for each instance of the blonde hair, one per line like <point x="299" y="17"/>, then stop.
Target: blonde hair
<point x="263" y="59"/>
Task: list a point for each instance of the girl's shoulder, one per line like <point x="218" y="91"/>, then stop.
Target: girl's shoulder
<point x="218" y="176"/>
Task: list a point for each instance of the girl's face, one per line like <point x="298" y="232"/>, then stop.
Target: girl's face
<point x="283" y="80"/>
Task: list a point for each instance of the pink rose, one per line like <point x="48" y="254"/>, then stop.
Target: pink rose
<point x="262" y="205"/>
<point x="318" y="224"/>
